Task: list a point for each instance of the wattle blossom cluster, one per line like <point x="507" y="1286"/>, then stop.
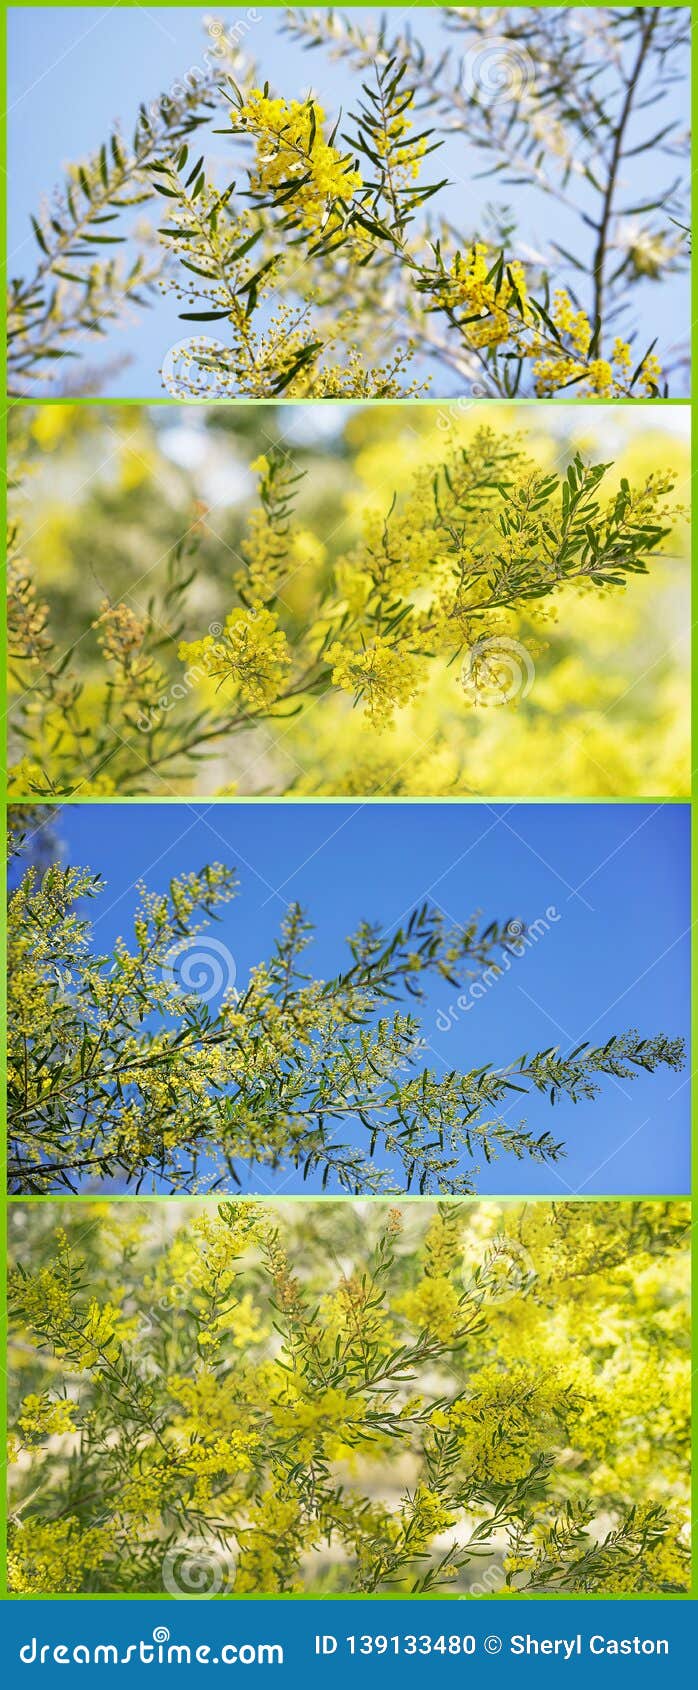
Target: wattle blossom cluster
<point x="235" y="1395"/>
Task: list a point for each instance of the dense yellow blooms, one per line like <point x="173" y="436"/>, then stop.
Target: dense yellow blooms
<point x="427" y="580"/>
<point x="381" y="674"/>
<point x="471" y="286"/>
<point x="56" y="1555"/>
<point x="326" y="250"/>
<point x="41" y="1416"/>
<point x="252" y="655"/>
<point x="133" y="1074"/>
<point x="486" y="297"/>
<point x="433" y="1305"/>
<point x="394" y="145"/>
<point x="569" y="362"/>
<point x="429" y="1397"/>
<point x="290" y="146"/>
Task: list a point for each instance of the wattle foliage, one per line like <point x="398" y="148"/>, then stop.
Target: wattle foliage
<point x="122" y="1068"/>
<point x="336" y="1397"/>
<point x="334" y="265"/>
<point x="449" y="592"/>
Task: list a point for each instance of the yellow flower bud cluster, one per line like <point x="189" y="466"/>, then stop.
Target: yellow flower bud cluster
<point x="472" y="285"/>
<point x="347" y="1427"/>
<point x="252" y="655"/>
<point x="381" y="673"/>
<point x="290" y="145"/>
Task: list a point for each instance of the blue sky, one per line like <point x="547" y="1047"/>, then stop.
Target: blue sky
<point x="608" y="883"/>
<point x="74" y="71"/>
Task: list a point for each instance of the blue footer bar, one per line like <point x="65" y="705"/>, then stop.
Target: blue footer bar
<point x="354" y="1643"/>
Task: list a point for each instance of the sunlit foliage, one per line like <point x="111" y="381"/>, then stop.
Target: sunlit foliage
<point x="432" y="605"/>
<point x="122" y="1067"/>
<point x="347" y="1397"/>
<point x="328" y="262"/>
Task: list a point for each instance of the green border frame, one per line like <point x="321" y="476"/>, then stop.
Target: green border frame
<point x="690" y="798"/>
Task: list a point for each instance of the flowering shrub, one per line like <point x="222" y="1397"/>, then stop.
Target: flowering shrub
<point x="343" y="232"/>
<point x="346" y="1397"/>
<point x="120" y="1069"/>
<point x="457" y="576"/>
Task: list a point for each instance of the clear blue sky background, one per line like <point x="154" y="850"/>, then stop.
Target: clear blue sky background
<point x="617" y="957"/>
<point x="74" y="71"/>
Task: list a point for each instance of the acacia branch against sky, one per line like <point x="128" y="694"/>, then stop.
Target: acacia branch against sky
<point x="380" y="1004"/>
<point x="492" y="200"/>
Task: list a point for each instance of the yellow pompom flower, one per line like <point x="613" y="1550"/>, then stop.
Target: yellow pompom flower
<point x="383" y="675"/>
<point x="252" y="655"/>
